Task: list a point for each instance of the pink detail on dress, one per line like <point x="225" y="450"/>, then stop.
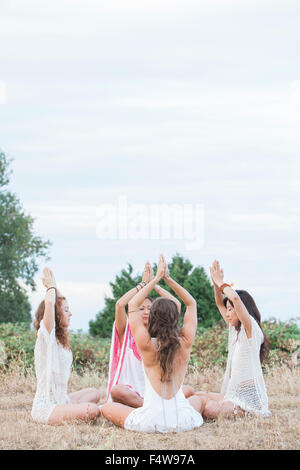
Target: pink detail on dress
<point x="133" y="346"/>
<point x="118" y="355"/>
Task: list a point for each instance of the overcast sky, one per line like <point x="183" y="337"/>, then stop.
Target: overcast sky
<point x="183" y="103"/>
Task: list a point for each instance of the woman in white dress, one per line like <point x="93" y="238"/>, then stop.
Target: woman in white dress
<point x="243" y="391"/>
<point x="126" y="382"/>
<point x="53" y="360"/>
<point x="165" y="352"/>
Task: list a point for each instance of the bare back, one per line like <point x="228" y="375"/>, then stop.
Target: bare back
<point x="153" y="370"/>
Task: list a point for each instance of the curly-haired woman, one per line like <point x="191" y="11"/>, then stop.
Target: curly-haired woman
<point x="243" y="390"/>
<point x="53" y="358"/>
<point x="165" y="351"/>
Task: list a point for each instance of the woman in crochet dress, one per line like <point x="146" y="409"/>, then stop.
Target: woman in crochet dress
<point x="243" y="390"/>
<point x="165" y="350"/>
<point x="53" y="359"/>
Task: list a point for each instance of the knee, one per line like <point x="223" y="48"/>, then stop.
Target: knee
<point x="118" y="393"/>
<point x="188" y="391"/>
<point x="92" y="411"/>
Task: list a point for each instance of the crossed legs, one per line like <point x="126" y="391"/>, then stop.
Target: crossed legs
<point x="125" y="395"/>
<point x="214" y="406"/>
<point x="118" y="412"/>
<point x="83" y="407"/>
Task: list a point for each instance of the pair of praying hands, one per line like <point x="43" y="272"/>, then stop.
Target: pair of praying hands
<point x="162" y="270"/>
<point x="216" y="273"/>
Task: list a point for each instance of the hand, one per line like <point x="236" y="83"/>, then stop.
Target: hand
<point x="148" y="273"/>
<point x="160" y="268"/>
<point x="216" y="273"/>
<point x="48" y="279"/>
<point x="167" y="274"/>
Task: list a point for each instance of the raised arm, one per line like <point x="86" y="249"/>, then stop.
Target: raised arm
<point x="218" y="293"/>
<point x="239" y="307"/>
<point x="164" y="293"/>
<point x="138" y="329"/>
<point x="120" y="311"/>
<point x="190" y="320"/>
<point x="50" y="298"/>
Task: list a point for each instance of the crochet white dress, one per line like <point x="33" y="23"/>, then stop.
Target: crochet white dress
<point x="52" y="367"/>
<point x="163" y="415"/>
<point x="243" y="382"/>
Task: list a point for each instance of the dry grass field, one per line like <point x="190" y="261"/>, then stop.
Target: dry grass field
<point x="281" y="431"/>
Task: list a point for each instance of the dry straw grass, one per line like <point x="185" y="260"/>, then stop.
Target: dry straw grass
<point x="281" y="431"/>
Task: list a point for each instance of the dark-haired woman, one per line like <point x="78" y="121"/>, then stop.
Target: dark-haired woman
<point x="243" y="390"/>
<point x="165" y="351"/>
<point x="53" y="359"/>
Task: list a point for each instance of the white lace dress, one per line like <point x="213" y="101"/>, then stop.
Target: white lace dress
<point x="243" y="382"/>
<point x="52" y="367"/>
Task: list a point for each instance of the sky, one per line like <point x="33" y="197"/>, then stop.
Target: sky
<point x="147" y="127"/>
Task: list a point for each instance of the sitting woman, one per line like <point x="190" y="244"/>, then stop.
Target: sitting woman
<point x="126" y="382"/>
<point x="165" y="351"/>
<point x="243" y="390"/>
<point x="53" y="360"/>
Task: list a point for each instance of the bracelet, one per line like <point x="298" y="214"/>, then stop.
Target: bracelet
<point x="222" y="287"/>
<point x="141" y="286"/>
<point x="51" y="288"/>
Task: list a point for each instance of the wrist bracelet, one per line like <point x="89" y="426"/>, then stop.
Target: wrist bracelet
<point x="222" y="287"/>
<point x="141" y="285"/>
<point x="51" y="288"/>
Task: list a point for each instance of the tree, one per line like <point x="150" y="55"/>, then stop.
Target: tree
<point x="181" y="270"/>
<point x="20" y="249"/>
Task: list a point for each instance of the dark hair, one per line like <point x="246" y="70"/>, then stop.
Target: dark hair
<point x="61" y="332"/>
<point x="164" y="326"/>
<point x="252" y="309"/>
<point x="149" y="298"/>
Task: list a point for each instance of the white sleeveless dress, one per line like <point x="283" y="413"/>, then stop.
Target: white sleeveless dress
<point x="52" y="367"/>
<point x="163" y="415"/>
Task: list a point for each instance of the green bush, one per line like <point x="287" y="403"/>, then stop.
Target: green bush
<point x="19" y="347"/>
<point x="209" y="349"/>
<point x="210" y="346"/>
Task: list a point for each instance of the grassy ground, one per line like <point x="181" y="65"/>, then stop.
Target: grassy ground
<point x="281" y="431"/>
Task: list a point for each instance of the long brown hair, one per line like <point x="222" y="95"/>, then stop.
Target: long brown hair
<point x="61" y="332"/>
<point x="164" y="326"/>
<point x="252" y="309"/>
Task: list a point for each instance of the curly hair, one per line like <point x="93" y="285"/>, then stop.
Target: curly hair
<point x="61" y="332"/>
<point x="252" y="309"/>
<point x="164" y="326"/>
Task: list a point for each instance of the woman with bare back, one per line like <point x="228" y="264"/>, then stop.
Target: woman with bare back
<point x="165" y="350"/>
<point x="126" y="382"/>
<point x="53" y="359"/>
